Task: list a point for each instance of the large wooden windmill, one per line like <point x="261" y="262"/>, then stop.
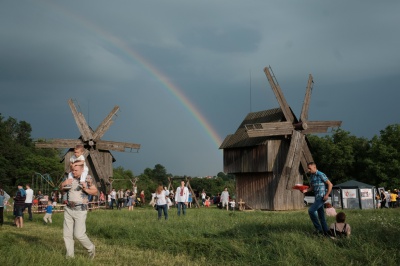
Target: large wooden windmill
<point x="292" y="128"/>
<point x="98" y="156"/>
<point x="267" y="150"/>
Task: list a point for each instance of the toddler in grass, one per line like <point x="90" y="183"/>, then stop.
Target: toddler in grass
<point x="49" y="212"/>
<point x="79" y="150"/>
<point x="329" y="210"/>
<point x="340" y="228"/>
<point x="207" y="202"/>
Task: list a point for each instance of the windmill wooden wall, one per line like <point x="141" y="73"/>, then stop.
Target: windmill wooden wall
<point x="258" y="176"/>
<point x="264" y="191"/>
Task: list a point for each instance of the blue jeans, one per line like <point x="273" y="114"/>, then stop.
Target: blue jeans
<point x="183" y="206"/>
<point x="29" y="206"/>
<point x="317" y="215"/>
<point x="112" y="203"/>
<point x="162" y="208"/>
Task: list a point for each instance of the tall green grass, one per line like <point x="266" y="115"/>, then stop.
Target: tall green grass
<point x="206" y="237"/>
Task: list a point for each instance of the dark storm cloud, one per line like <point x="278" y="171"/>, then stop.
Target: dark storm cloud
<point x="223" y="40"/>
<point x="135" y="53"/>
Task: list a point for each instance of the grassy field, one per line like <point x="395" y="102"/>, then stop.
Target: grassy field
<point x="206" y="237"/>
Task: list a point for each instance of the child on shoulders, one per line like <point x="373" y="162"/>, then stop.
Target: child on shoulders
<point x="78" y="156"/>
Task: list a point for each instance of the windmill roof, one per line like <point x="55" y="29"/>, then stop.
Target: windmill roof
<point x="240" y="137"/>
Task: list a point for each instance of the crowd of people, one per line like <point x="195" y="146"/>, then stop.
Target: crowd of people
<point x="76" y="195"/>
<point x="123" y="198"/>
<point x="388" y="199"/>
<point x="25" y="201"/>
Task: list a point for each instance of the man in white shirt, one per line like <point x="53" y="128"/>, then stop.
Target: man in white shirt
<point x="182" y="198"/>
<point x="75" y="211"/>
<point x="28" y="200"/>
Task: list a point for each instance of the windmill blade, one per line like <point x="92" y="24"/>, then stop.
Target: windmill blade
<point x="58" y="143"/>
<point x="279" y="96"/>
<point x="291" y="167"/>
<point x="80" y="120"/>
<point x="306" y="156"/>
<point x="116" y="146"/>
<point x="307" y="97"/>
<point x="107" y="122"/>
<point x="95" y="158"/>
<point x="269" y="129"/>
<point x="320" y="126"/>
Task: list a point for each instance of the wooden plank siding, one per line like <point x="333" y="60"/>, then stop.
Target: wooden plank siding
<point x="267" y="191"/>
<point x="261" y="158"/>
<point x="259" y="180"/>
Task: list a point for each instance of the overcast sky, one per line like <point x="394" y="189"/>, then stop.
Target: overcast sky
<point x="186" y="73"/>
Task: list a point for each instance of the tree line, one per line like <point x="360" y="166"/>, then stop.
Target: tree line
<point x="376" y="161"/>
<point x="340" y="155"/>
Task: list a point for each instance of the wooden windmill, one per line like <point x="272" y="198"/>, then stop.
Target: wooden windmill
<point x="292" y="128"/>
<point x="98" y="156"/>
<point x="266" y="152"/>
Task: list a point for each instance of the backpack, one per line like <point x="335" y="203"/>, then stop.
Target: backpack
<point x="336" y="233"/>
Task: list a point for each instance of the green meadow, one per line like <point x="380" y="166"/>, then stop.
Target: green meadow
<point x="206" y="236"/>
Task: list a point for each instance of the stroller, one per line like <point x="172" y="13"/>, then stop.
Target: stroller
<point x="138" y="202"/>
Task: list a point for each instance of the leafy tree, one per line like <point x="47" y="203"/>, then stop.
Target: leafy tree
<point x="122" y="178"/>
<point x="384" y="158"/>
<point x="19" y="160"/>
<point x="151" y="178"/>
<point x="340" y="156"/>
<point x="159" y="174"/>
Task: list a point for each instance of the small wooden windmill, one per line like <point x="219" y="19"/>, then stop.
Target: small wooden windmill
<point x="98" y="156"/>
<point x="267" y="149"/>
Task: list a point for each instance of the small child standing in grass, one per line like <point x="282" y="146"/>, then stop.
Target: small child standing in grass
<point x="207" y="202"/>
<point x="49" y="212"/>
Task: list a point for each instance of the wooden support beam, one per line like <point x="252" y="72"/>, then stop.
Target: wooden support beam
<point x="320" y="126"/>
<point x="116" y="145"/>
<point x="269" y="129"/>
<point x="58" y="143"/>
<point x="291" y="168"/>
<point x="191" y="190"/>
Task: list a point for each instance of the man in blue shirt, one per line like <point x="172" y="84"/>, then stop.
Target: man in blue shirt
<point x="322" y="187"/>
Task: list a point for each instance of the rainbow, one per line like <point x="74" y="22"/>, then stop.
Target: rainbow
<point x="127" y="50"/>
